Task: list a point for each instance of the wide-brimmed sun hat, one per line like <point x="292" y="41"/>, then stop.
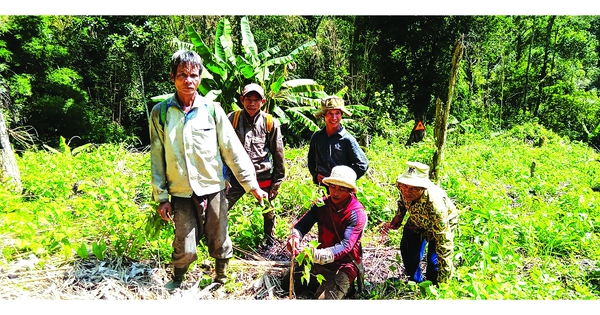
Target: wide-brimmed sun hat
<point x="342" y="175"/>
<point x="253" y="87"/>
<point x="416" y="174"/>
<point x="332" y="102"/>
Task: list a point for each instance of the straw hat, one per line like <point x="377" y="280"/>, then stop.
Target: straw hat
<point x="416" y="174"/>
<point x="332" y="102"/>
<point x="342" y="175"/>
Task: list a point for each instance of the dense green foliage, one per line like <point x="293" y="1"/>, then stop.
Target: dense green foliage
<point x="91" y="79"/>
<point x="521" y="160"/>
<point x="524" y="233"/>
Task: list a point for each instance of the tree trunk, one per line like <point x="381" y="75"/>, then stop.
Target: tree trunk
<point x="525" y="105"/>
<point x="441" y="114"/>
<point x="544" y="72"/>
<point x="10" y="169"/>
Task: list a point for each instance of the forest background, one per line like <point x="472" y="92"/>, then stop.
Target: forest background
<point x="76" y="92"/>
<point x="90" y="79"/>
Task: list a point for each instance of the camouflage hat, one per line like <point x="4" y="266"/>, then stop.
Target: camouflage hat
<point x="332" y="102"/>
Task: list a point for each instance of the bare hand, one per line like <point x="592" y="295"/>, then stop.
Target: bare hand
<point x="293" y="245"/>
<point x="320" y="178"/>
<point x="260" y="195"/>
<point x="383" y="229"/>
<point x="165" y="211"/>
<point x="273" y="194"/>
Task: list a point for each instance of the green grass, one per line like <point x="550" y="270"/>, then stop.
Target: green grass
<point x="522" y="235"/>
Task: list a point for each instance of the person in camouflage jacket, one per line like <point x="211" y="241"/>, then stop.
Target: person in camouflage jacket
<point x="432" y="220"/>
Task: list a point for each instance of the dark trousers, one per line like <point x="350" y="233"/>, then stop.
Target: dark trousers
<point x="412" y="249"/>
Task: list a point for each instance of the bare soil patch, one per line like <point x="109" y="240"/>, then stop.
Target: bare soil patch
<point x="257" y="277"/>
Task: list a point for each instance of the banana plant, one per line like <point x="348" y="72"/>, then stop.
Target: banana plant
<point x="291" y="101"/>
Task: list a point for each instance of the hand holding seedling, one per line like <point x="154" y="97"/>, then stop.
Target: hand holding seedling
<point x="261" y="196"/>
<point x="165" y="211"/>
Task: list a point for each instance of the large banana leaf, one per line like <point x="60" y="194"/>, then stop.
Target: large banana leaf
<point x="263" y="55"/>
<point x="276" y="85"/>
<point x="299" y="99"/>
<point x="280" y="113"/>
<point x="227" y="46"/>
<point x="250" y="49"/>
<point x="198" y="43"/>
<point x="223" y="33"/>
<point x="215" y="68"/>
<point x="299" y="117"/>
<point x="263" y="75"/>
<point x="303" y="86"/>
<point x="244" y="67"/>
<point x="211" y="62"/>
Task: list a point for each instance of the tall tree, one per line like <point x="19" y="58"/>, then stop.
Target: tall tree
<point x="443" y="111"/>
<point x="9" y="170"/>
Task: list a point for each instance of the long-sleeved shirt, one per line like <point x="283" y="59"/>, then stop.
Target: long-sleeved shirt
<point x="188" y="150"/>
<point x="265" y="149"/>
<point x="338" y="229"/>
<point x="435" y="216"/>
<point x="340" y="148"/>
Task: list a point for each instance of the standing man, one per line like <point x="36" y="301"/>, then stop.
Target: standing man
<point x="433" y="218"/>
<point x="260" y="134"/>
<point x="190" y="139"/>
<point x="341" y="220"/>
<point x="333" y="145"/>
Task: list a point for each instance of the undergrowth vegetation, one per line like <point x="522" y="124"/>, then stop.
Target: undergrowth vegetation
<point x="529" y="205"/>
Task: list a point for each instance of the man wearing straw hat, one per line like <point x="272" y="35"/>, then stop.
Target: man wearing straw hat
<point x="333" y="145"/>
<point x="341" y="219"/>
<point x="433" y="219"/>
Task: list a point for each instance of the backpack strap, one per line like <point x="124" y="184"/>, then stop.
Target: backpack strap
<point x="236" y="118"/>
<point x="269" y="122"/>
<point x="162" y="119"/>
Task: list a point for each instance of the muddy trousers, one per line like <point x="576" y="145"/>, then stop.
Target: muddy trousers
<point x="196" y="217"/>
<point x="412" y="249"/>
<point x="235" y="193"/>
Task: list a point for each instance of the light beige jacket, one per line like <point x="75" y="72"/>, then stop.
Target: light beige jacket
<point x="188" y="151"/>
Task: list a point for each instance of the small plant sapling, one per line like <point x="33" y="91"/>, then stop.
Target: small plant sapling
<point x="304" y="258"/>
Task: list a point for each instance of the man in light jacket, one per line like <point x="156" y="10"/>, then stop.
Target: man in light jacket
<point x="190" y="139"/>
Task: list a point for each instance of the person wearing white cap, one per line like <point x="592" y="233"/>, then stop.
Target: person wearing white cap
<point x="260" y="134"/>
<point x="433" y="219"/>
<point x="333" y="144"/>
<point x="341" y="219"/>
